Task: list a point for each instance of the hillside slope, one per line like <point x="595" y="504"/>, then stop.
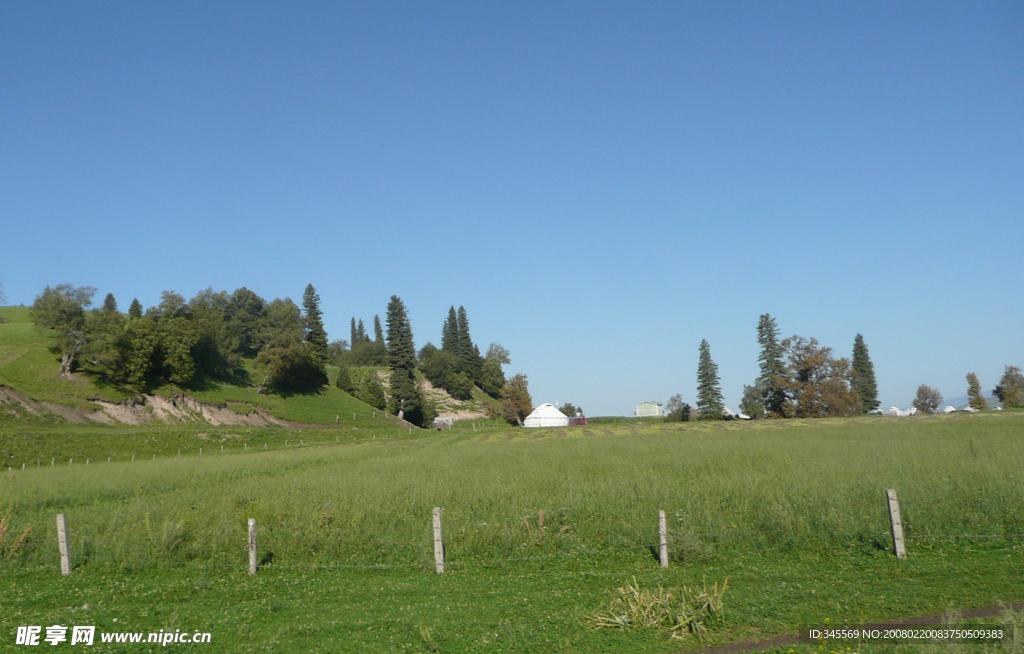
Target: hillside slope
<point x="34" y="390"/>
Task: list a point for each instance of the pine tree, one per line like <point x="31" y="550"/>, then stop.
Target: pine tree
<point x="405" y="396"/>
<point x="465" y="343"/>
<point x="135" y="310"/>
<point x="773" y="368"/>
<point x="974" y="397"/>
<point x="316" y="335"/>
<point x="354" y="335"/>
<point x="361" y="332"/>
<point x="709" y="393"/>
<point x="863" y="375"/>
<point x="344" y="381"/>
<point x="109" y="303"/>
<point x="450" y="333"/>
<point x="378" y="331"/>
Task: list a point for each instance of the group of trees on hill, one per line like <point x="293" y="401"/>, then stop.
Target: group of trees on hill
<point x="457" y="365"/>
<point x="211" y="336"/>
<point x="360" y="350"/>
<point x="187" y="342"/>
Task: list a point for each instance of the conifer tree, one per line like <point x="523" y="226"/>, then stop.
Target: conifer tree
<point x="465" y="347"/>
<point x="109" y="303"/>
<point x="316" y="335"/>
<point x="135" y="310"/>
<point x="405" y="397"/>
<point x="974" y="397"/>
<point x="354" y="335"/>
<point x="863" y="375"/>
<point x="709" y="392"/>
<point x="344" y="381"/>
<point x="361" y="332"/>
<point x="450" y="333"/>
<point x="378" y="331"/>
<point x="773" y="368"/>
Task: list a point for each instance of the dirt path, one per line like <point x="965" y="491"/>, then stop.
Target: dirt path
<point x="792" y="639"/>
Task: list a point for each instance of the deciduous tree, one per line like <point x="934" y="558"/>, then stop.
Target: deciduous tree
<point x="1010" y="390"/>
<point x="369" y="390"/>
<point x="516" y="402"/>
<point x="752" y="404"/>
<point x="62" y="309"/>
<point x="244" y="315"/>
<point x="569" y="409"/>
<point x="928" y="399"/>
<point x="817" y="383"/>
<point x="676" y="410"/>
<point x="497" y="353"/>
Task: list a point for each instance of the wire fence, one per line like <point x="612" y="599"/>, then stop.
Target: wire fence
<point x="461" y="564"/>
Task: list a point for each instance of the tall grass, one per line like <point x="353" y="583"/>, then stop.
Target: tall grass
<point x="775" y="487"/>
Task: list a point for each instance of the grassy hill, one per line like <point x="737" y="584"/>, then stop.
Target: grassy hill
<point x="26" y="365"/>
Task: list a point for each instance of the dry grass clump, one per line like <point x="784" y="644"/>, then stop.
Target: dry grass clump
<point x="682" y="612"/>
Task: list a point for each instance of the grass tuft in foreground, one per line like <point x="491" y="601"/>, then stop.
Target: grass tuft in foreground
<point x="681" y="612"/>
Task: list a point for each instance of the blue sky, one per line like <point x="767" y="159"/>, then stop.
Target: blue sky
<point x="602" y="185"/>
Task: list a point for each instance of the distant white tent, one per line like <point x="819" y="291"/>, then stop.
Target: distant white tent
<point x="546" y="415"/>
<point x="896" y="411"/>
<point x="949" y="409"/>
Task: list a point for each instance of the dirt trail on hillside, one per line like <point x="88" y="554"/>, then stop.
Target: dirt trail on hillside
<point x="183" y="408"/>
<point x="144" y="410"/>
<point x="15" y="401"/>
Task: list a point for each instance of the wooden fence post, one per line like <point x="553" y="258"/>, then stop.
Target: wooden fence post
<point x="62" y="544"/>
<point x="662" y="539"/>
<point x="897" y="525"/>
<point x="438" y="542"/>
<point x="252" y="546"/>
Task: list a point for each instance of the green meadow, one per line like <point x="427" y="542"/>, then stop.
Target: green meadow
<point x="792" y="513"/>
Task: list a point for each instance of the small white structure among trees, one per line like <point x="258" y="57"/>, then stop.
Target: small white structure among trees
<point x="649" y="409"/>
<point x="546" y="415"/>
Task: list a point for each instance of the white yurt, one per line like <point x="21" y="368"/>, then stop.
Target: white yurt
<point x="546" y="415"/>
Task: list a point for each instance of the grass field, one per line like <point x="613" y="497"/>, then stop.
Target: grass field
<point x="792" y="513"/>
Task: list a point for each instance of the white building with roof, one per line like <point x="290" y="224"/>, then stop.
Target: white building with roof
<point x="649" y="410"/>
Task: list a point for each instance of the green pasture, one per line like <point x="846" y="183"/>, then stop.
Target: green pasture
<point x="793" y="513"/>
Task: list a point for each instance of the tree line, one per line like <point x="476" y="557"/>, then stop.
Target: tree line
<point x="1009" y="390"/>
<point x="230" y="336"/>
<point x="800" y="378"/>
<point x="188" y="343"/>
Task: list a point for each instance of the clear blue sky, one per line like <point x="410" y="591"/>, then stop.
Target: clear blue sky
<point x="602" y="185"/>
